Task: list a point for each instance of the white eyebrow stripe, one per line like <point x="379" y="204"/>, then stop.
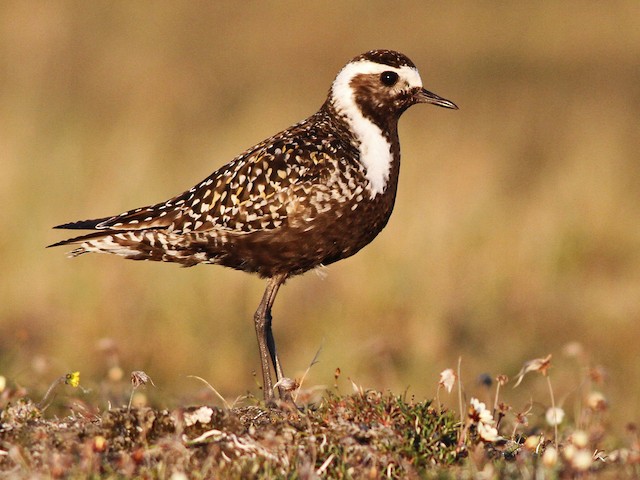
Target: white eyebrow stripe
<point x="366" y="67"/>
<point x="375" y="150"/>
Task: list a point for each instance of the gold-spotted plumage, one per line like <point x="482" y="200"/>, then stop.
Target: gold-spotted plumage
<point x="310" y="195"/>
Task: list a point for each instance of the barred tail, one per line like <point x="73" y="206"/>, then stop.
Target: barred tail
<point x="154" y="245"/>
<point x="135" y="245"/>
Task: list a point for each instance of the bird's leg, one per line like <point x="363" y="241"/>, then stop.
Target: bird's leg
<point x="266" y="344"/>
<point x="271" y="343"/>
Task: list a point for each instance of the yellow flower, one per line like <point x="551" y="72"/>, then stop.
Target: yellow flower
<point x="72" y="379"/>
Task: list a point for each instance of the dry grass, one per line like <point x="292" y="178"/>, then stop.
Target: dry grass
<point x="362" y="434"/>
<point x="515" y="230"/>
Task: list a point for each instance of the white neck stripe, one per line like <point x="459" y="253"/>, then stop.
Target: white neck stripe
<point x="375" y="150"/>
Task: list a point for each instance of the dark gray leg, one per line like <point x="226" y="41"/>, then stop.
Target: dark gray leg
<point x="266" y="344"/>
<point x="271" y="343"/>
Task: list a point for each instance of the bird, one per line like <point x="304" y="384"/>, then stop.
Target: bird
<point x="306" y="197"/>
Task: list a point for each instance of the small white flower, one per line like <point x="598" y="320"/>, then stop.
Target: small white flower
<point x="579" y="438"/>
<point x="480" y="410"/>
<point x="448" y="379"/>
<point x="554" y="416"/>
<point x="488" y="433"/>
<point x="482" y="418"/>
<point x="550" y="457"/>
<point x="582" y="460"/>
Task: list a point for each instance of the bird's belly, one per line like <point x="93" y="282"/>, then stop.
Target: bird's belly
<point x="306" y="245"/>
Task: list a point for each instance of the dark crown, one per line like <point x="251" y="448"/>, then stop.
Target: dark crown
<point x="386" y="57"/>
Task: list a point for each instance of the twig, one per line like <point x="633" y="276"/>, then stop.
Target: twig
<point x="553" y="406"/>
<point x="226" y="404"/>
<point x="313" y="362"/>
<point x="460" y="390"/>
<point x="463" y="432"/>
<point x="72" y="379"/>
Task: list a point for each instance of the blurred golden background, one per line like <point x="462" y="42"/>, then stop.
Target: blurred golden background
<point x="516" y="228"/>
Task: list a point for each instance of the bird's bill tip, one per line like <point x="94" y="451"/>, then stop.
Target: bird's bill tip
<point x="425" y="96"/>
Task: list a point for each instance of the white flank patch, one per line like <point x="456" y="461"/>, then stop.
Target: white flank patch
<point x="375" y="150"/>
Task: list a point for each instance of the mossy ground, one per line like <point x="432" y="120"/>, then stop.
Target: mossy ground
<point x="366" y="434"/>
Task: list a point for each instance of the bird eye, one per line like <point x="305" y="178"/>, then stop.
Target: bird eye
<point x="389" y="78"/>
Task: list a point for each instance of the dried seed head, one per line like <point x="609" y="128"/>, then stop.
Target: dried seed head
<point x="502" y="380"/>
<point x="448" y="379"/>
<point x="597" y="402"/>
<point x="554" y="416"/>
<point x="138" y="378"/>
<point x="522" y="418"/>
<point x="286" y="384"/>
<point x="536" y="365"/>
<point x="503" y="408"/>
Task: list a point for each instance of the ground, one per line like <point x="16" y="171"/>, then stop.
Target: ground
<point x="366" y="434"/>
